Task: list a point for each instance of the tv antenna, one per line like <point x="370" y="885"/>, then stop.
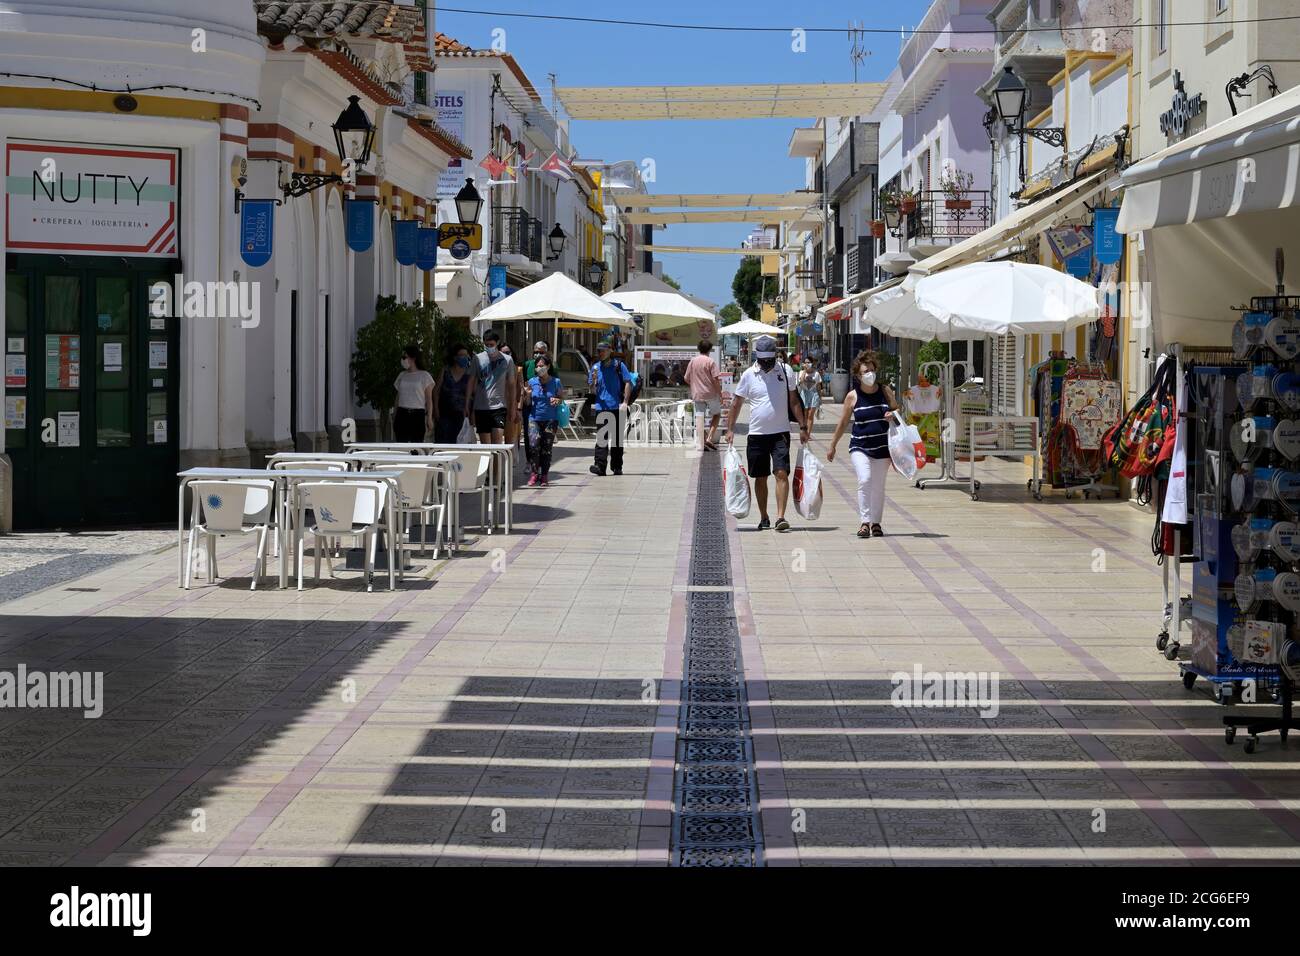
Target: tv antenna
<point x="857" y="45"/>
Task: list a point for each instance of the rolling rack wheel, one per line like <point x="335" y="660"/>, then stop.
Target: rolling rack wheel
<point x="974" y="497"/>
<point x="1161" y="640"/>
<point x="1229" y="735"/>
<point x="1223" y="694"/>
<point x="1189" y="678"/>
<point x="1251" y="743"/>
<point x="978" y="486"/>
<point x="1171" y="651"/>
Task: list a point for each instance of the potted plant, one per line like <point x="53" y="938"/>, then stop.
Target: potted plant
<point x="907" y="201"/>
<point x="956" y="184"/>
<point x="878" y="228"/>
<point x="889" y="197"/>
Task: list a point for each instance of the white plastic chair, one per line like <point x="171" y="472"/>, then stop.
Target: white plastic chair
<point x="230" y="507"/>
<point x="420" y="495"/>
<point x="296" y="464"/>
<point x="340" y="508"/>
<point x="473" y="475"/>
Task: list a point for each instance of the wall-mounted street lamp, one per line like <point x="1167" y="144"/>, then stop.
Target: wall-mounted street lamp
<point x="595" y="273"/>
<point x="354" y="135"/>
<point x="1011" y="97"/>
<point x="468" y="204"/>
<point x="1237" y="85"/>
<point x="556" y="239"/>
<point x="893" y="219"/>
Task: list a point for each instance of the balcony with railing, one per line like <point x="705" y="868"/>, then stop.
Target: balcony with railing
<point x="940" y="220"/>
<point x="859" y="273"/>
<point x="515" y="232"/>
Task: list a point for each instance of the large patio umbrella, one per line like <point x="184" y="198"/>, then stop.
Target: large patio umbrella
<point x="661" y="304"/>
<point x="555" y="297"/>
<point x="984" y="298"/>
<point x="750" y="327"/>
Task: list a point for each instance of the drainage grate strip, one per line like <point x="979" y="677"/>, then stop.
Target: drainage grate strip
<point x="715" y="801"/>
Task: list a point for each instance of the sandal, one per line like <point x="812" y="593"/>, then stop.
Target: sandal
<point x="864" y="531"/>
<point x="875" y="529"/>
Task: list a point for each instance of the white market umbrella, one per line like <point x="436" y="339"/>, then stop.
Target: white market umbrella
<point x="647" y="295"/>
<point x="555" y="297"/>
<point x="750" y="327"/>
<point x="997" y="298"/>
<point x="984" y="298"/>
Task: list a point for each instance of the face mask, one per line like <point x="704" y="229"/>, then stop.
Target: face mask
<point x="767" y="364"/>
<point x="491" y="349"/>
<point x="538" y="354"/>
<point x="406" y="364"/>
<point x="868" y="379"/>
<point x="543" y="371"/>
<point x="462" y="361"/>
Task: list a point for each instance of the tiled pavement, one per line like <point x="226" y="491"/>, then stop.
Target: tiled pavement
<point x="517" y="704"/>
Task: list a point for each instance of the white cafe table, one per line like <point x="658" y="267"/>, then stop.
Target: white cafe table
<point x="283" y="480"/>
<point x="500" y="469"/>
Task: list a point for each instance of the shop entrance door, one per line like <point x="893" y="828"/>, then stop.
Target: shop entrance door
<point x="99" y="442"/>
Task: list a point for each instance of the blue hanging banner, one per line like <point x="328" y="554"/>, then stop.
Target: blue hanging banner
<point x="359" y="223"/>
<point x="256" y="230"/>
<point x="1079" y="265"/>
<point x="426" y="256"/>
<point x="497" y="283"/>
<point x="406" y="238"/>
<point x="1109" y="244"/>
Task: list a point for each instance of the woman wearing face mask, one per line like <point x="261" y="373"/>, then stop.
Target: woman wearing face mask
<point x="545" y="392"/>
<point x="414" y="416"/>
<point x="868" y="405"/>
<point x="451" y="408"/>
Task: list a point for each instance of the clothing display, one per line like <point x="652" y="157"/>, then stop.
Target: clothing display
<point x="924" y="405"/>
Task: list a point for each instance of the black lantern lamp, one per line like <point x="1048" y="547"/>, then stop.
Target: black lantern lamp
<point x="892" y="218"/>
<point x="1011" y="97"/>
<point x="468" y="204"/>
<point x="819" y="287"/>
<point x="354" y="136"/>
<point x="596" y="273"/>
<point x="556" y="239"/>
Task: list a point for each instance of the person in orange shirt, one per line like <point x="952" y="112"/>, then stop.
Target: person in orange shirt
<point x="705" y="381"/>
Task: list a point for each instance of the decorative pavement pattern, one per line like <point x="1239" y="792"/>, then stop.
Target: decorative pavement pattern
<point x="527" y="701"/>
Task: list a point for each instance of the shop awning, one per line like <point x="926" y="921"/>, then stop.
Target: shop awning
<point x="843" y="309"/>
<point x="1247" y="163"/>
<point x="1212" y="213"/>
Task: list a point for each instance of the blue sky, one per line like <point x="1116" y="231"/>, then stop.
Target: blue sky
<point x="691" y="156"/>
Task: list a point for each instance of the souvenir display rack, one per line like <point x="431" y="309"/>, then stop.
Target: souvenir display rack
<point x="1006" y="435"/>
<point x="1076" y="404"/>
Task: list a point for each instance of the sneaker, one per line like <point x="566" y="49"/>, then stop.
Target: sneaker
<point x="532" y="481"/>
<point x="782" y="525"/>
<point x="545" y="482"/>
<point x="764" y="524"/>
<point x="596" y="471"/>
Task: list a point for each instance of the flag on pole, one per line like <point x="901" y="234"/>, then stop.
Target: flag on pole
<point x="494" y="166"/>
<point x="558" y="166"/>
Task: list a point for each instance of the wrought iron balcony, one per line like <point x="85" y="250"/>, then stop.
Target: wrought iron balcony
<point x="515" y="232"/>
<point x="860" y="266"/>
<point x="939" y="218"/>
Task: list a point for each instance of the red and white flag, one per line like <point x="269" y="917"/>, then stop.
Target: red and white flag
<point x="558" y="166"/>
<point x="494" y="166"/>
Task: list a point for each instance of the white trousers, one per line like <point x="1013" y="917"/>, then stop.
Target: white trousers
<point x="871" y="485"/>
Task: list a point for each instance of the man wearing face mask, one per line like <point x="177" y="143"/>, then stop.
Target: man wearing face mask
<point x="770" y="391"/>
<point x="496" y="391"/>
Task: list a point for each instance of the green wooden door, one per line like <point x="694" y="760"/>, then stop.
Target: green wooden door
<point x="99" y="441"/>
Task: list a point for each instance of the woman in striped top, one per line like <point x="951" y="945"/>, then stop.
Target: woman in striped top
<point x="868" y="405"/>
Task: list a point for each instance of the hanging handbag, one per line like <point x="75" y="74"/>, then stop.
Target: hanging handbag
<point x="1142" y="442"/>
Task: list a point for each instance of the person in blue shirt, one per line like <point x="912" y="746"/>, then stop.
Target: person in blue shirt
<point x="612" y="384"/>
<point x="545" y="392"/>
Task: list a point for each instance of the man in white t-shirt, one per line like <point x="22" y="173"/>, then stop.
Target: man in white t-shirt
<point x="769" y="389"/>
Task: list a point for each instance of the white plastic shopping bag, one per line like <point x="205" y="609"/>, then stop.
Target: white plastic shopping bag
<point x="735" y="484"/>
<point x="466" y="435"/>
<point x="906" y="449"/>
<point x="808" y="485"/>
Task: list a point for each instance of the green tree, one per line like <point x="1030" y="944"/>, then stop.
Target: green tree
<point x="671" y="281"/>
<point x="378" y="356"/>
<point x="931" y="351"/>
<point x="751" y="287"/>
<point x="729" y="313"/>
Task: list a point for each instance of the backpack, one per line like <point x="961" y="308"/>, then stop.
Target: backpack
<point x="632" y="377"/>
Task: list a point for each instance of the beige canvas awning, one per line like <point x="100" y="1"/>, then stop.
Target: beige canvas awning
<point x="801" y="198"/>
<point x="717" y="215"/>
<point x="710" y="250"/>
<point x="748" y="101"/>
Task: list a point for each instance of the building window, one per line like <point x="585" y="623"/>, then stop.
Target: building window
<point x="1161" y="19"/>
